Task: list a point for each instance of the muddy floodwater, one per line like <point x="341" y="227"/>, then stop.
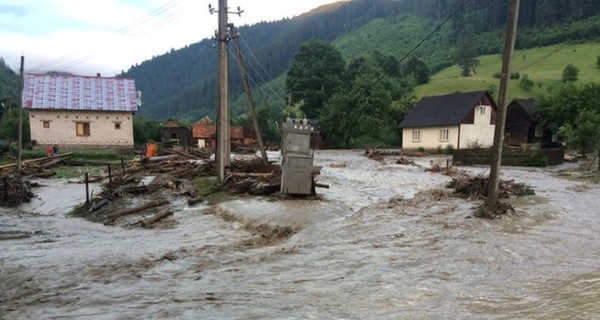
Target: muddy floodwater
<point x="385" y="242"/>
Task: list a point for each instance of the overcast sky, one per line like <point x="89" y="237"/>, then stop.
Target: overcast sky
<point x="106" y="36"/>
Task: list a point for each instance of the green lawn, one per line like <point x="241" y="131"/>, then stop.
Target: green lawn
<point x="544" y="67"/>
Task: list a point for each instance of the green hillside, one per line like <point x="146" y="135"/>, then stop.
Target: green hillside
<point x="543" y="66"/>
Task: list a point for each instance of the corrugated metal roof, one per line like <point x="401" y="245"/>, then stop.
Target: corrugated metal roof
<point x="449" y="109"/>
<point x="66" y="92"/>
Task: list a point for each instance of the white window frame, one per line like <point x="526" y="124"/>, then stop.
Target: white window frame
<point x="416" y="136"/>
<point x="444" y="135"/>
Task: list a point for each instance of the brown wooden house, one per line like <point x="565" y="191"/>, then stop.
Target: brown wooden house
<point x="173" y="131"/>
<point x="522" y="126"/>
<point x="204" y="134"/>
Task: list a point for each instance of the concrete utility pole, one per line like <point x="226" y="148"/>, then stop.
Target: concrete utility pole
<point x="223" y="143"/>
<point x="249" y="97"/>
<point x="20" y="139"/>
<point x="491" y="204"/>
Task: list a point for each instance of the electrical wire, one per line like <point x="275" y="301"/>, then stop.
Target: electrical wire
<point x="256" y="85"/>
<point x="426" y="38"/>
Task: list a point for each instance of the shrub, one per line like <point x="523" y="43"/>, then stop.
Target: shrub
<point x="497" y="75"/>
<point x="449" y="149"/>
<point x="526" y="83"/>
<point x="536" y="161"/>
<point x="570" y="73"/>
<point x="515" y="76"/>
<point x="421" y="149"/>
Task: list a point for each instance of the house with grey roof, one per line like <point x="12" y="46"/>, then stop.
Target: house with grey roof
<point x="460" y="120"/>
<point x="80" y="111"/>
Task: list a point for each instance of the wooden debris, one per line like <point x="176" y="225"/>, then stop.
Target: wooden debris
<point x="117" y="214"/>
<point x="155" y="218"/>
<point x="405" y="161"/>
<point x="476" y="187"/>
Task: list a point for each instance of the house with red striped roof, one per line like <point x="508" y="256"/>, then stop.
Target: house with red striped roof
<point x="80" y="111"/>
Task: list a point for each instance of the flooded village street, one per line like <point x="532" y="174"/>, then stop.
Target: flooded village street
<point x="386" y="241"/>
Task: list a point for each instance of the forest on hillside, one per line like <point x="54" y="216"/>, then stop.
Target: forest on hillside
<point x="181" y="83"/>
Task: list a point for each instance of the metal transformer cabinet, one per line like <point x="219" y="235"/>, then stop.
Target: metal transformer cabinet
<point x="297" y="162"/>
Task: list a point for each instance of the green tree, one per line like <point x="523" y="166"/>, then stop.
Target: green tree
<point x="363" y="108"/>
<point x="9" y="128"/>
<point x="526" y="83"/>
<point x="315" y="75"/>
<point x="569" y="109"/>
<point x="400" y="109"/>
<point x="466" y="52"/>
<point x="584" y="133"/>
<point x="570" y="73"/>
<point x="145" y="130"/>
<point x="417" y="69"/>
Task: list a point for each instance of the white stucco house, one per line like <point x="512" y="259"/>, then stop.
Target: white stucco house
<point x="461" y="120"/>
<point x="80" y="111"/>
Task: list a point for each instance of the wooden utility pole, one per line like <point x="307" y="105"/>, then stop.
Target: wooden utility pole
<point x="491" y="204"/>
<point x="249" y="97"/>
<point x="20" y="133"/>
<point x="223" y="143"/>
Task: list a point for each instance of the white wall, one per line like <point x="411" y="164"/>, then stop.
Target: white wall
<point x="62" y="129"/>
<point x="481" y="132"/>
<point x="430" y="138"/>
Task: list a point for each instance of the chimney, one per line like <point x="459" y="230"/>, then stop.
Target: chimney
<point x="98" y="74"/>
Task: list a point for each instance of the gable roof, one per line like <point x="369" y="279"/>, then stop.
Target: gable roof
<point x="527" y="105"/>
<point x="171" y="123"/>
<point x="449" y="109"/>
<point x="205" y="121"/>
<point x="68" y="92"/>
<point x="200" y="131"/>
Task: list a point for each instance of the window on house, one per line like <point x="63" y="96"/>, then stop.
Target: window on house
<point x="539" y="131"/>
<point x="444" y="135"/>
<point x="416" y="136"/>
<point x="117" y="126"/>
<point x="46" y="124"/>
<point x="173" y="135"/>
<point x="482" y="109"/>
<point x="82" y="129"/>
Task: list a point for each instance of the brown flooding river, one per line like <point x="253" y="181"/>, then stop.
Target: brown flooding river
<point x="386" y="242"/>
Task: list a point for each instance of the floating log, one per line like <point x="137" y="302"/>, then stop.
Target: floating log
<point x="117" y="214"/>
<point x="97" y="205"/>
<point x="162" y="158"/>
<point x="155" y="218"/>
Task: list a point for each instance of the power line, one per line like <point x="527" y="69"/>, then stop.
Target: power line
<point x="260" y="64"/>
<point x="256" y="85"/>
<point x="278" y="91"/>
<point x="426" y="38"/>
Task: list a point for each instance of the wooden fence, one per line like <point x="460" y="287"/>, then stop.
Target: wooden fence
<point x="511" y="157"/>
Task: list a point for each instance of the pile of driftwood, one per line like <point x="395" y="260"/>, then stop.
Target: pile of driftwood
<point x="172" y="174"/>
<point x="14" y="191"/>
<point x="253" y="177"/>
<point x="36" y="168"/>
<point x="476" y="187"/>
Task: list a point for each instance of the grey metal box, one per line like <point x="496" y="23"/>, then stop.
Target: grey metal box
<point x="296" y="177"/>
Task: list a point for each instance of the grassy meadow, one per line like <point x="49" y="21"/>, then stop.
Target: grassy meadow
<point x="544" y="66"/>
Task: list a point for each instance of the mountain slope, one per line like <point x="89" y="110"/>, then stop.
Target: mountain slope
<point x="182" y="83"/>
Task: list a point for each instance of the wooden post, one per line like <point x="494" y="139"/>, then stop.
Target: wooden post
<point x="109" y="176"/>
<point x="122" y="165"/>
<point x="491" y="203"/>
<point x="250" y="99"/>
<point x="20" y="133"/>
<point x="87" y="189"/>
<point x="5" y="182"/>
